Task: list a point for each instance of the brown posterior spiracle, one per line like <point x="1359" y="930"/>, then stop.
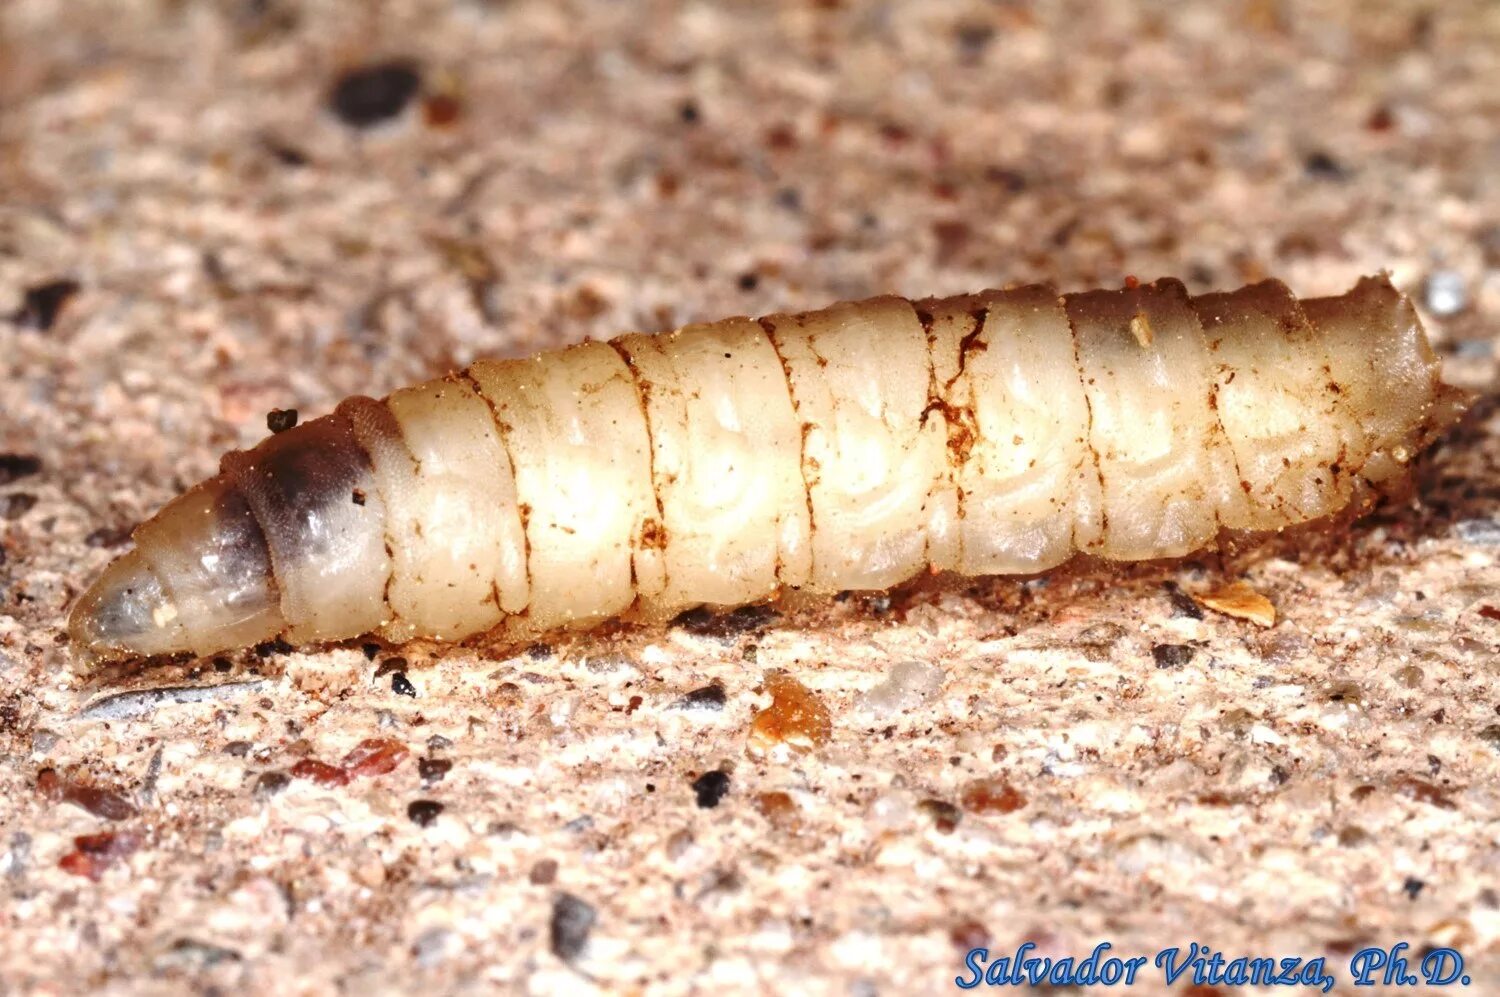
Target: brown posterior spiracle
<point x="847" y="448"/>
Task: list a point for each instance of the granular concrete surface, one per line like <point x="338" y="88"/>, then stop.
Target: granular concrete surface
<point x="209" y="210"/>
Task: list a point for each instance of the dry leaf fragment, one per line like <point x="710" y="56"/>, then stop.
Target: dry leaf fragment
<point x="1241" y="601"/>
<point x="796" y="717"/>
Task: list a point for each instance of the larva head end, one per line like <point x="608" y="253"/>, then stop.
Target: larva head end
<point x="125" y="613"/>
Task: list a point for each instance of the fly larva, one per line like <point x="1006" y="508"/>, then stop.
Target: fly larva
<point x="848" y="448"/>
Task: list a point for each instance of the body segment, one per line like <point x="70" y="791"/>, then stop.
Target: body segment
<point x="848" y="448"/>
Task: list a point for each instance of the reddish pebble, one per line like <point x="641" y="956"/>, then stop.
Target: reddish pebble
<point x="374" y="756"/>
<point x="94" y="853"/>
<point x="988" y="797"/>
<point x="320" y="772"/>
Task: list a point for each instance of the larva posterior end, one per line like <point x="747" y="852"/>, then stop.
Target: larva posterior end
<point x="126" y="612"/>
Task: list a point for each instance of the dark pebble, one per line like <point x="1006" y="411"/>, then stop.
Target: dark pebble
<point x="433" y="770"/>
<point x="1412" y="886"/>
<point x="17" y="505"/>
<point x="710" y="697"/>
<point x="727" y="626"/>
<point x="1172" y="655"/>
<point x="1183" y="605"/>
<point x="238" y="749"/>
<point x="401" y="685"/>
<point x="389" y="665"/>
<point x="368" y="95"/>
<point x="44" y="302"/>
<point x="689" y="113"/>
<point x="423" y="812"/>
<point x="268" y="784"/>
<point x="15" y="466"/>
<point x="1321" y="166"/>
<point x="539" y="651"/>
<point x="944" y="816"/>
<point x="370" y="651"/>
<point x="572" y="921"/>
<point x="544" y="873"/>
<point x="279" y="420"/>
<point x="710" y="788"/>
<point x="108" y="536"/>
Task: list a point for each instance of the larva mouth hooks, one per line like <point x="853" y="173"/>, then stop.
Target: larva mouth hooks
<point x="848" y="448"/>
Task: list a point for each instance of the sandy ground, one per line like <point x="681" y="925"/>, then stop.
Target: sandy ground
<point x="191" y="234"/>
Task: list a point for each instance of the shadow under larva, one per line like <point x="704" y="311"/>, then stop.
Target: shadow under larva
<point x="724" y="464"/>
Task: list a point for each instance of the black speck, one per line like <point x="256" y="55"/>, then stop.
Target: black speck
<point x="368" y="95"/>
<point x="710" y="697"/>
<point x="1321" y="166"/>
<point x="688" y="112"/>
<point x="270" y="647"/>
<point x="748" y="281"/>
<point x="710" y="788"/>
<point x="1172" y="655"/>
<point x="401" y="685"/>
<point x="279" y="420"/>
<point x="1412" y="887"/>
<point x="15" y="466"/>
<point x="370" y="651"/>
<point x="222" y="664"/>
<point x="572" y="921"/>
<point x="389" y="665"/>
<point x="789" y="198"/>
<point x="433" y="770"/>
<point x="286" y="155"/>
<point x="1183" y="605"/>
<point x="270" y="783"/>
<point x="17" y="505"/>
<point x="44" y="302"/>
<point x="423" y="812"/>
<point x="539" y="651"/>
<point x="359" y="496"/>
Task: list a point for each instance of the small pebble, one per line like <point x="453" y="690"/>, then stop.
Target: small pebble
<point x="710" y="788"/>
<point x="1172" y="655"/>
<point x="279" y="420"/>
<point x="710" y="697"/>
<point x="368" y="95"/>
<point x="15" y="466"/>
<point x="780" y="810"/>
<point x="991" y="797"/>
<point x="433" y="770"/>
<point x="543" y="873"/>
<point x="1485" y="532"/>
<point x="43" y="303"/>
<point x="268" y="784"/>
<point x="944" y="816"/>
<point x="15" y="506"/>
<point x="909" y="685"/>
<point x="424" y="812"/>
<point x="572" y="922"/>
<point x="1445" y="293"/>
<point x="401" y="685"/>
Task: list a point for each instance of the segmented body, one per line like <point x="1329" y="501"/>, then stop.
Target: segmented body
<point x="847" y="448"/>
